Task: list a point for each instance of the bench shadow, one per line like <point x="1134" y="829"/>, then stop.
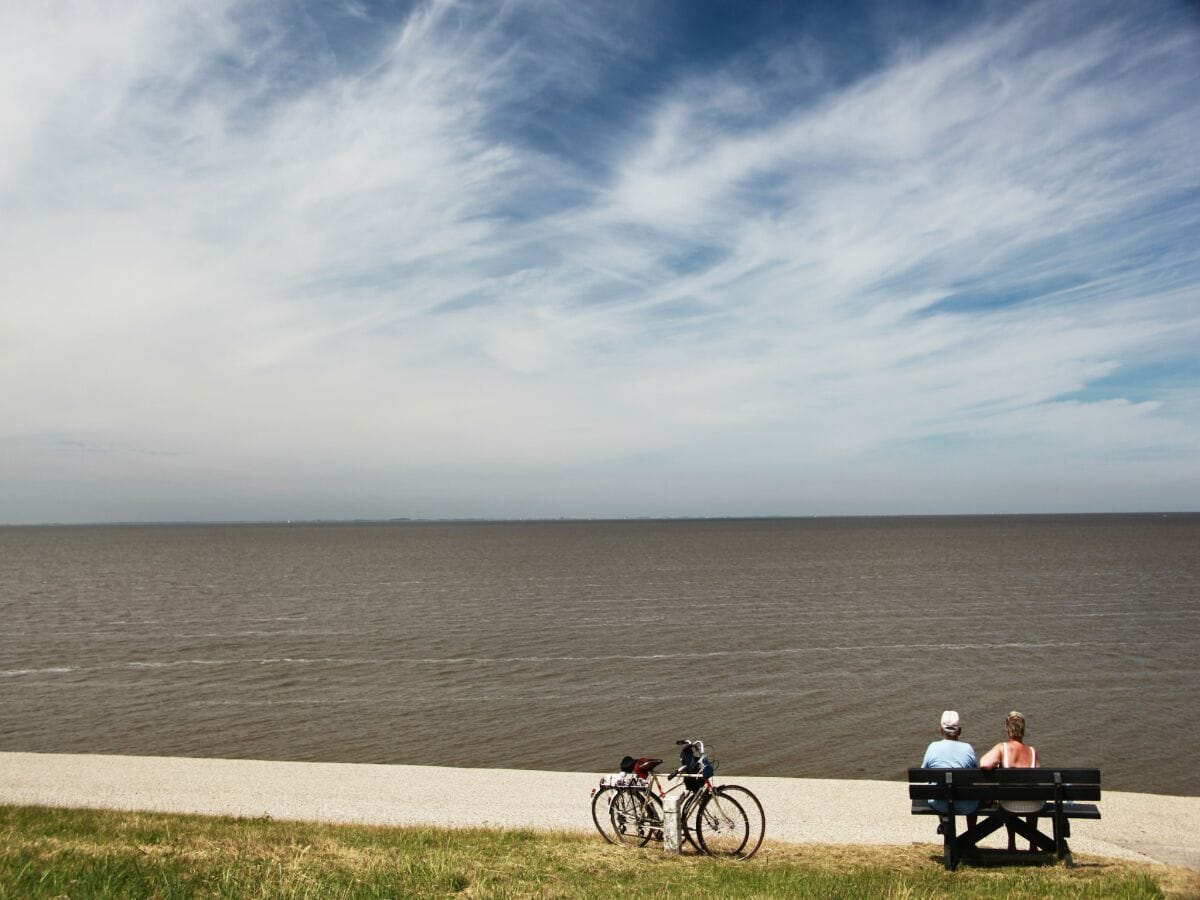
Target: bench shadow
<point x="988" y="858"/>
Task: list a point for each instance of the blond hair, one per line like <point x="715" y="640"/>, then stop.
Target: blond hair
<point x="1014" y="726"/>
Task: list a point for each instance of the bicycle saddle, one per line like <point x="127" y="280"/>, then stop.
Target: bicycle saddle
<point x="644" y="766"/>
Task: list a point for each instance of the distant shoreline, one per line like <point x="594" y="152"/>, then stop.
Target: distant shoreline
<point x="416" y="520"/>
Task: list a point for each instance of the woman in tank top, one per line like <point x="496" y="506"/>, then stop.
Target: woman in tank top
<point x="1014" y="753"/>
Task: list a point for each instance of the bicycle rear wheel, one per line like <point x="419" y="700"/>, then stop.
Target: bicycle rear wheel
<point x="722" y="826"/>
<point x="755" y="816"/>
<point x="601" y="815"/>
<point x="636" y="817"/>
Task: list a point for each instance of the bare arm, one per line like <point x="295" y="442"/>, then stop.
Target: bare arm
<point x="991" y="759"/>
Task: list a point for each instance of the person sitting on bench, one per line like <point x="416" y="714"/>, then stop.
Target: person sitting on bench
<point x="951" y="753"/>
<point x="1014" y="753"/>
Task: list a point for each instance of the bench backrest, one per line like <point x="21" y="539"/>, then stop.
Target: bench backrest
<point x="1004" y="784"/>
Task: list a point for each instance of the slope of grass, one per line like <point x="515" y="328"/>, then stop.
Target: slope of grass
<point x="90" y="853"/>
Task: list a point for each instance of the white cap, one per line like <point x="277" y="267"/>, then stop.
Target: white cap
<point x="950" y="721"/>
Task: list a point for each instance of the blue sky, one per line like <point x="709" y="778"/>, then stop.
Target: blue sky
<point x="524" y="259"/>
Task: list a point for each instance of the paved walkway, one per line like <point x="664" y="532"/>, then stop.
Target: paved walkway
<point x="1143" y="827"/>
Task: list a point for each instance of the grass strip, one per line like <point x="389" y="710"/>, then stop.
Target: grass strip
<point x="48" y="852"/>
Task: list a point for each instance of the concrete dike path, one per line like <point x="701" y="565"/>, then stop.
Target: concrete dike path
<point x="1145" y="827"/>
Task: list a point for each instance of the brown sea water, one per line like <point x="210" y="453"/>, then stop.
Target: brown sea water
<point x="802" y="647"/>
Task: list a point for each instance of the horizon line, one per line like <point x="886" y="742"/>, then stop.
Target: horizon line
<point x="498" y="520"/>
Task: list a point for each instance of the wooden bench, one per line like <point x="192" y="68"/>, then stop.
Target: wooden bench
<point x="1064" y="793"/>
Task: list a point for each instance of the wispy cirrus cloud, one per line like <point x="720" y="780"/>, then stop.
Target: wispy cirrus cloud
<point x="480" y="260"/>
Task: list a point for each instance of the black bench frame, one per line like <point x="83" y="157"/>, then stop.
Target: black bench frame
<point x="1063" y="793"/>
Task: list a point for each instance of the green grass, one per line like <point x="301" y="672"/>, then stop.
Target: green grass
<point x="90" y="853"/>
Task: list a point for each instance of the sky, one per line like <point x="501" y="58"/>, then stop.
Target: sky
<point x="543" y="258"/>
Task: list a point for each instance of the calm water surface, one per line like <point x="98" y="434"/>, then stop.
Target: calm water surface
<point x="815" y="648"/>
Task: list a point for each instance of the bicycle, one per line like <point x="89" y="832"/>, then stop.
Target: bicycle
<point x="720" y="821"/>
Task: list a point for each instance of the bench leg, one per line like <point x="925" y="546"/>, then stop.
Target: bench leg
<point x="1025" y="829"/>
<point x="1062" y="828"/>
<point x="957" y="846"/>
<point x="1031" y="821"/>
<point x="948" y="837"/>
<point x="1057" y="845"/>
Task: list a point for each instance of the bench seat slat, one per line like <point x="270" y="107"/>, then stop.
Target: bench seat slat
<point x="1070" y="810"/>
<point x="1005" y="776"/>
<point x="1003" y="792"/>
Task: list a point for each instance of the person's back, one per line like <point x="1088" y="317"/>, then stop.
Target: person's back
<point x="1014" y="753"/>
<point x="951" y="753"/>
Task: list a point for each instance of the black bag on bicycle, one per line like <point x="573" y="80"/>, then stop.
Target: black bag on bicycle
<point x="695" y="767"/>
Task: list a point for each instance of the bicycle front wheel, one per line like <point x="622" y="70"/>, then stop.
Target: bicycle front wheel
<point x="601" y="803"/>
<point x="754" y="815"/>
<point x="636" y="817"/>
<point x="723" y="826"/>
<point x="688" y="817"/>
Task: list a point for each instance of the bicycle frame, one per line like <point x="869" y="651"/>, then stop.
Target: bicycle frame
<point x="647" y="818"/>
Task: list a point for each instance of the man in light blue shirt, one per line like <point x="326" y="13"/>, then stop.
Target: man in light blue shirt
<point x="951" y="753"/>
